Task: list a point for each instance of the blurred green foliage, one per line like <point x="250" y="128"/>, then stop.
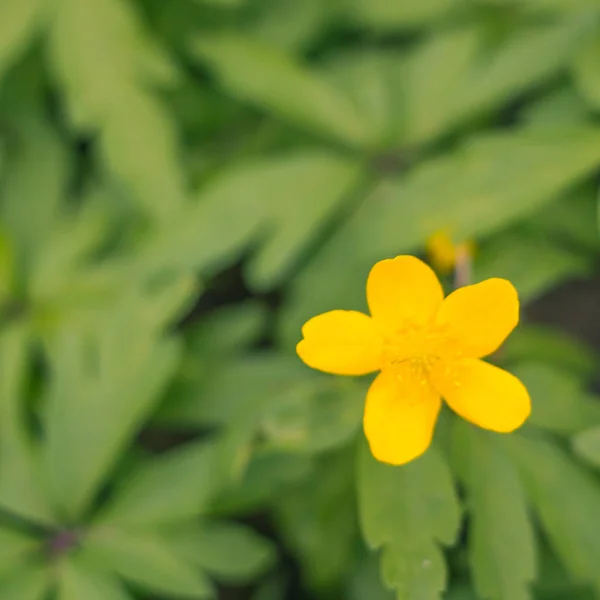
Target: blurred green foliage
<point x="182" y="184"/>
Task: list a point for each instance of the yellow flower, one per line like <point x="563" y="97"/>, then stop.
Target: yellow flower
<point x="443" y="252"/>
<point x="426" y="348"/>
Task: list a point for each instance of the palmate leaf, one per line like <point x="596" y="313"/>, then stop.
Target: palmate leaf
<point x="266" y="76"/>
<point x="18" y="23"/>
<point x="31" y="582"/>
<point x="501" y="537"/>
<point x="79" y="578"/>
<point x="586" y="445"/>
<point x="15" y="548"/>
<point x="408" y="511"/>
<point x="21" y="489"/>
<point x="163" y="490"/>
<point x="106" y="380"/>
<point x="149" y="561"/>
<point x="489" y="183"/>
<point x="35" y="185"/>
<point x="104" y="61"/>
<point x="229" y="551"/>
<point x="565" y="497"/>
<point x="284" y="200"/>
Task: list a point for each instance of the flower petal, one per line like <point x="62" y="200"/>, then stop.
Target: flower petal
<point x="400" y="416"/>
<point x="478" y="318"/>
<point x="403" y="291"/>
<point x="483" y="394"/>
<point x="343" y="342"/>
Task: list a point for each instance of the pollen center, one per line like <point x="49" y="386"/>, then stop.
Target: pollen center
<point x="412" y="352"/>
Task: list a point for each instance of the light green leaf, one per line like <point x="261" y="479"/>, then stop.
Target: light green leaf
<point x="148" y="561"/>
<point x="105" y="382"/>
<point x="291" y="25"/>
<point x="501" y="536"/>
<point x="104" y="59"/>
<point x="566" y="499"/>
<point x="587" y="445"/>
<point x="263" y="75"/>
<point x="19" y="20"/>
<point x="31" y="582"/>
<point x="438" y="68"/>
<point x="20" y="489"/>
<point x="79" y="579"/>
<point x="368" y="77"/>
<point x="15" y="547"/>
<point x="307" y="190"/>
<point x="34" y="186"/>
<point x="385" y="15"/>
<point x="229" y="551"/>
<point x="559" y="401"/>
<point x="163" y="490"/>
<point x="586" y="69"/>
<point x="408" y="511"/>
<point x="529" y="57"/>
<point x="489" y="183"/>
<point x="547" y="264"/>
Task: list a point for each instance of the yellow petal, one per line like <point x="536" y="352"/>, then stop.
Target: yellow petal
<point x="400" y="416"/>
<point x="344" y="342"/>
<point x="478" y="318"/>
<point x="483" y="394"/>
<point x="403" y="291"/>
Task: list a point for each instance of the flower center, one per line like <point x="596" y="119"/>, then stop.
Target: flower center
<point x="418" y="348"/>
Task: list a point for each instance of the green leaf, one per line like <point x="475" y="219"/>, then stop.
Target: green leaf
<point x="384" y="15"/>
<point x="572" y="220"/>
<point x="501" y="536"/>
<point x="162" y="490"/>
<point x="547" y="263"/>
<point x="365" y="582"/>
<point x="317" y="415"/>
<point x="30" y="582"/>
<point x="35" y="185"/>
<point x="566" y="499"/>
<point x="551" y="346"/>
<point x="105" y="382"/>
<point x="587" y="445"/>
<point x="489" y="183"/>
<point x="20" y="490"/>
<point x="370" y="79"/>
<point x="262" y="481"/>
<point x="15" y="547"/>
<point x="104" y="60"/>
<point x="265" y="76"/>
<point x="438" y="68"/>
<point x="317" y="518"/>
<point x="147" y="560"/>
<point x="304" y="191"/>
<point x="407" y="511"/>
<point x="18" y="23"/>
<point x="529" y="57"/>
<point x="78" y="579"/>
<point x="229" y="551"/>
<point x="559" y="401"/>
<point x="586" y="70"/>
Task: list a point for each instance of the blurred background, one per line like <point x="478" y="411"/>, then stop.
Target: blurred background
<point x="182" y="184"/>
